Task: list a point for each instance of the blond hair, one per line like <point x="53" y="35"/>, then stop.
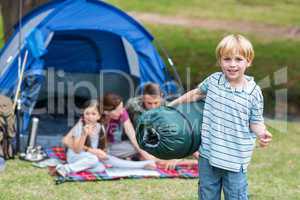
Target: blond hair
<point x="235" y="44"/>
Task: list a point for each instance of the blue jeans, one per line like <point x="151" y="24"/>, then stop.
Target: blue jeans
<point x="213" y="179"/>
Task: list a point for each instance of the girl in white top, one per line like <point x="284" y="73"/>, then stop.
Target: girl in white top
<point x="87" y="151"/>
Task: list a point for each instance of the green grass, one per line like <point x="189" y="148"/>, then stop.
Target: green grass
<point x="195" y="49"/>
<point x="279" y="12"/>
<point x="273" y="174"/>
<point x="1" y="32"/>
<point x="275" y="171"/>
<point x="22" y="181"/>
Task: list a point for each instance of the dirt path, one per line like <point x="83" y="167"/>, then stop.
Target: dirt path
<point x="265" y="31"/>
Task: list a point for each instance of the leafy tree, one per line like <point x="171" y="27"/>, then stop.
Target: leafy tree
<point x="10" y="10"/>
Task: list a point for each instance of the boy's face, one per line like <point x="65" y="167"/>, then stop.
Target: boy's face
<point x="151" y="101"/>
<point x="234" y="67"/>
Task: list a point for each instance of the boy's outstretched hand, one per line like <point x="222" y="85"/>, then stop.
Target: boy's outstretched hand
<point x="265" y="139"/>
<point x="167" y="164"/>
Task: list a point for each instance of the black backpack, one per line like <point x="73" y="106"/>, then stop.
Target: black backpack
<point x="7" y="127"/>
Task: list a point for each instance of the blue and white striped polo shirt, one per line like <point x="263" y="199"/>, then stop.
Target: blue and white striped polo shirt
<point x="227" y="141"/>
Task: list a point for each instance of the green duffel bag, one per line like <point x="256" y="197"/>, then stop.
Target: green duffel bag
<point x="171" y="132"/>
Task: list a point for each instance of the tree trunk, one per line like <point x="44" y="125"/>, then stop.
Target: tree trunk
<point x="10" y="13"/>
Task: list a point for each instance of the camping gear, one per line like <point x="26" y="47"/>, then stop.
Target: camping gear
<point x="181" y="171"/>
<point x="18" y="125"/>
<point x="32" y="138"/>
<point x="74" y="50"/>
<point x="34" y="153"/>
<point x="171" y="132"/>
<point x="7" y="127"/>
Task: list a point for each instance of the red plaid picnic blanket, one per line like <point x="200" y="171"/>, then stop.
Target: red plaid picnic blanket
<point x="180" y="171"/>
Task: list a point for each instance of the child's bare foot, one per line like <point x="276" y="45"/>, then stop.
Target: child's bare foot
<point x="52" y="171"/>
<point x="150" y="166"/>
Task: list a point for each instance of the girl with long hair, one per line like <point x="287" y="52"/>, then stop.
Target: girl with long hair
<point x="87" y="145"/>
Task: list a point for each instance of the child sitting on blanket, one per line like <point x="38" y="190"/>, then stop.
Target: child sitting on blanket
<point x="87" y="151"/>
<point x="119" y="124"/>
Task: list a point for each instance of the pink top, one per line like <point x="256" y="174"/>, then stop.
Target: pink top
<point x="115" y="128"/>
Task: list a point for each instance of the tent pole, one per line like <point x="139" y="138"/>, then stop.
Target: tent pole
<point x="19" y="125"/>
<point x="171" y="63"/>
<point x="20" y="80"/>
<point x="20" y="37"/>
<point x="20" y="75"/>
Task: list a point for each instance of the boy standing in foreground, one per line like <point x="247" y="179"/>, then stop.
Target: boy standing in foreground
<point x="232" y="119"/>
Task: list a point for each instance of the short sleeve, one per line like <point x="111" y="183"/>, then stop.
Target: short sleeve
<point x="124" y="116"/>
<point x="203" y="86"/>
<point x="77" y="129"/>
<point x="257" y="106"/>
<point x="133" y="105"/>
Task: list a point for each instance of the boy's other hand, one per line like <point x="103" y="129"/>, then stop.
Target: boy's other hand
<point x="265" y="139"/>
<point x="196" y="155"/>
<point x="167" y="164"/>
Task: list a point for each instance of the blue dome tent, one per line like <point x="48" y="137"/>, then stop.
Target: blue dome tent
<point x="76" y="48"/>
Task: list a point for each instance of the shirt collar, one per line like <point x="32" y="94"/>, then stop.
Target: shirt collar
<point x="247" y="88"/>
